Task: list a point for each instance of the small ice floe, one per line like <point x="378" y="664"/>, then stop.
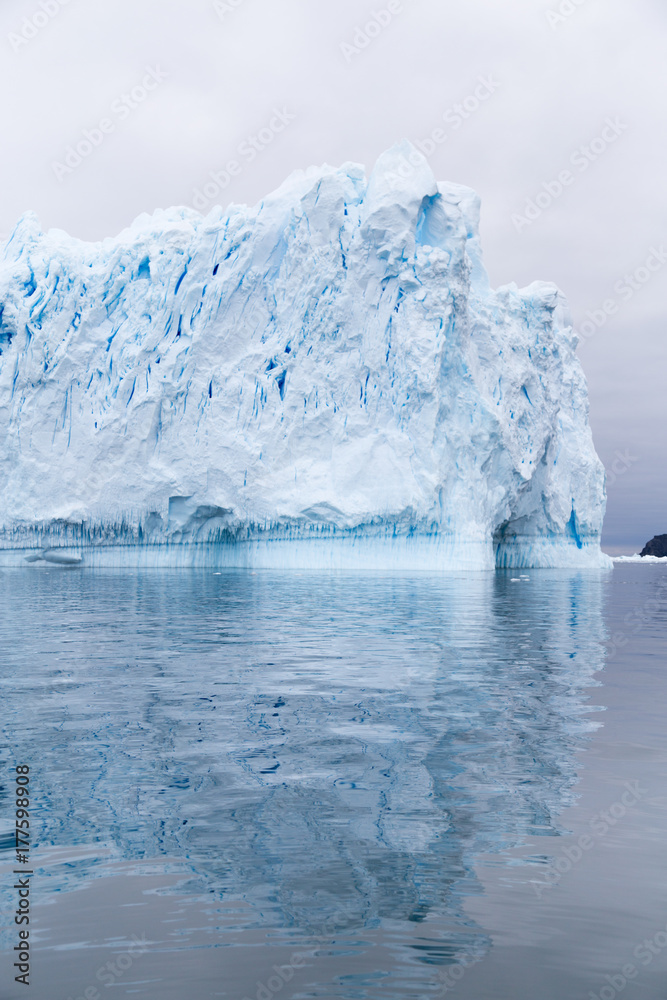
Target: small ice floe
<point x="637" y="558"/>
<point x="60" y="557"/>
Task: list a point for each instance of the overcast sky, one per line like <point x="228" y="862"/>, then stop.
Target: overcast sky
<point x="558" y="75"/>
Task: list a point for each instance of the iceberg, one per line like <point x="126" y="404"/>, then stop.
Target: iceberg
<point x="644" y="560"/>
<point x="325" y="380"/>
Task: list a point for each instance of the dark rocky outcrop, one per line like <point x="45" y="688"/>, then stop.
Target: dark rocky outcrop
<point x="656" y="547"/>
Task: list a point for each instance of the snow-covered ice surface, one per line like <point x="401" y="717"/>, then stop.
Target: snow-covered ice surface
<point x="636" y="558"/>
<point x="324" y="380"/>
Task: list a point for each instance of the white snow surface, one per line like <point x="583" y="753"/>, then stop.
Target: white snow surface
<point x="324" y="380"/>
<point x="636" y="558"/>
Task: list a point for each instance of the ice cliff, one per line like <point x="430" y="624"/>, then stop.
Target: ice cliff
<point x="324" y="380"/>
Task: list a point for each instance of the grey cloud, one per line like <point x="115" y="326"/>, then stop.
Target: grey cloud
<point x="228" y="69"/>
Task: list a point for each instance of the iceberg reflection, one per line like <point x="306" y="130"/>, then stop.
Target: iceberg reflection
<point x="314" y="746"/>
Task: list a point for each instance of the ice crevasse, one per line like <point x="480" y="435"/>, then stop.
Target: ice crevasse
<point x="325" y="380"/>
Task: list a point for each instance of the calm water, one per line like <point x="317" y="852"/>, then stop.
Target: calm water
<point x="339" y="788"/>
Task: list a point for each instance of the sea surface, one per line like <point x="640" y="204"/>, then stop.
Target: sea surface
<point x="307" y="787"/>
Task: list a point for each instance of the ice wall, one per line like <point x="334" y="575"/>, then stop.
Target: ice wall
<point x="326" y="379"/>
